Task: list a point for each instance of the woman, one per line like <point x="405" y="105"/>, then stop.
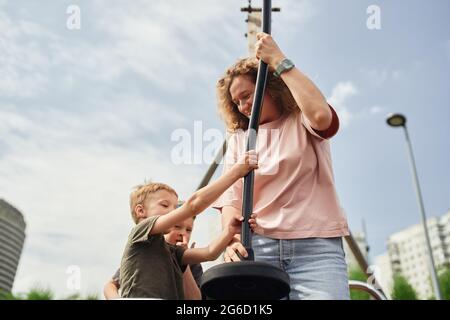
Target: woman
<point x="297" y="221"/>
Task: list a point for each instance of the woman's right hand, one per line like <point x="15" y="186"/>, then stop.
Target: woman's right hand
<point x="246" y="163"/>
<point x="230" y="254"/>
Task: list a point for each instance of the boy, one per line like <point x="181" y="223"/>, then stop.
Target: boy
<point x="178" y="235"/>
<point x="152" y="268"/>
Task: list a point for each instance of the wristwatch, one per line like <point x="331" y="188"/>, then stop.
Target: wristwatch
<point x="283" y="66"/>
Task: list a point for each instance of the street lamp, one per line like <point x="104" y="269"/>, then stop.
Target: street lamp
<point x="399" y="120"/>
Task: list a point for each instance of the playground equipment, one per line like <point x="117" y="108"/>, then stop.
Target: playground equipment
<point x="248" y="279"/>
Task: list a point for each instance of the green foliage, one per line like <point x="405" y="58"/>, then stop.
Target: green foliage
<point x="402" y="290"/>
<point x="38" y="293"/>
<point x="444" y="281"/>
<point x="75" y="296"/>
<point x="7" y="296"/>
<point x="359" y="275"/>
<point x="92" y="296"/>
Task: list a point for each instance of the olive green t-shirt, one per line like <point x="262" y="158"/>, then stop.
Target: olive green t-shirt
<point x="150" y="267"/>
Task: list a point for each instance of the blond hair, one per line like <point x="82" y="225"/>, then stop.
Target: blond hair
<point x="142" y="192"/>
<point x="276" y="88"/>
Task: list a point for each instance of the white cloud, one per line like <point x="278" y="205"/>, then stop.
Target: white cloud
<point x="340" y="94"/>
<point x="339" y="98"/>
<point x="379" y="77"/>
<point x="119" y="118"/>
<point x="376" y="110"/>
<point x="23" y="64"/>
<point x="296" y="11"/>
<point x="168" y="42"/>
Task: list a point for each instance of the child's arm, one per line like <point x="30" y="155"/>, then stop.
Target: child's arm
<point x="111" y="290"/>
<point x="215" y="248"/>
<point x="191" y="290"/>
<point x="204" y="197"/>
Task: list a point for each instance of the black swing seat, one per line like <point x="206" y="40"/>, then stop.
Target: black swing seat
<point x="245" y="280"/>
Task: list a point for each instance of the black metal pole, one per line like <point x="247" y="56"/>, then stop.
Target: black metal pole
<point x="247" y="196"/>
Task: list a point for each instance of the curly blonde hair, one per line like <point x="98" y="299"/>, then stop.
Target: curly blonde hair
<point x="276" y="88"/>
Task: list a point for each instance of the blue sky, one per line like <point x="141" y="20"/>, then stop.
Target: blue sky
<point x="87" y="114"/>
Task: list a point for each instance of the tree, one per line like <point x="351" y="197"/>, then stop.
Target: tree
<point x="444" y="281"/>
<point x="38" y="293"/>
<point x="7" y="296"/>
<point x="402" y="290"/>
<point x="359" y="275"/>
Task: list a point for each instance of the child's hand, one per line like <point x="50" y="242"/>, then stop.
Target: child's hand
<point x="252" y="222"/>
<point x="247" y="163"/>
<point x="235" y="224"/>
<point x="182" y="244"/>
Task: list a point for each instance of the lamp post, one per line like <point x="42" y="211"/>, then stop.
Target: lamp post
<point x="399" y="120"/>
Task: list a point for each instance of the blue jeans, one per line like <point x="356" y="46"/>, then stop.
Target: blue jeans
<point x="316" y="266"/>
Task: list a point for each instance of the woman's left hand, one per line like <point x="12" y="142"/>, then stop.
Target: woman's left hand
<point x="267" y="50"/>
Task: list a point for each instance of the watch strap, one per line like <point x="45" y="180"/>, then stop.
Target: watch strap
<point x="283" y="66"/>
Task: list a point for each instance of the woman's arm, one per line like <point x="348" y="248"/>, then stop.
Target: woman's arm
<point x="306" y="94"/>
<point x="309" y="98"/>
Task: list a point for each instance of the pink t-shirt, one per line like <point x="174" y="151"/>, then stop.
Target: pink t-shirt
<point x="294" y="194"/>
